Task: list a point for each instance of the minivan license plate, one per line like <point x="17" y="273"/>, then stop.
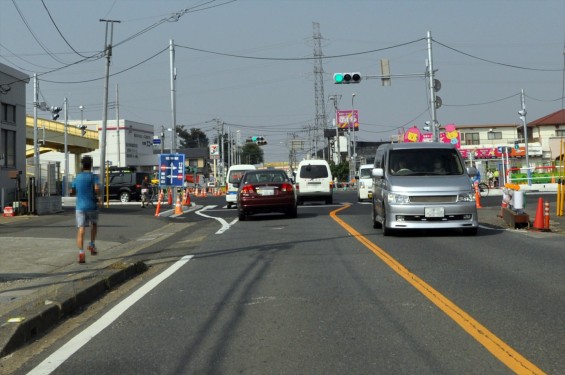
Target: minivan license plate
<point x="434" y="212"/>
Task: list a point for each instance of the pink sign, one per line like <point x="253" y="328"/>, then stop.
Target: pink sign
<point x="413" y="135"/>
<point x="348" y="119"/>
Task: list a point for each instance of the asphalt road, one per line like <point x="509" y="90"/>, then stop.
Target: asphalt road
<point x="316" y="295"/>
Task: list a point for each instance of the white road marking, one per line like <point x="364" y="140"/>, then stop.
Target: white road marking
<point x="57" y="358"/>
<point x="225" y="225"/>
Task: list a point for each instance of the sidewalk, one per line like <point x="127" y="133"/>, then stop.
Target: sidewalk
<point x="41" y="281"/>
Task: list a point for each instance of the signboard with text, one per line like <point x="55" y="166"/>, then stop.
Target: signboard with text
<point x="171" y="170"/>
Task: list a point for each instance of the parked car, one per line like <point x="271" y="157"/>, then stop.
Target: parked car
<point x="125" y="185"/>
<point x="314" y="181"/>
<point x="265" y="191"/>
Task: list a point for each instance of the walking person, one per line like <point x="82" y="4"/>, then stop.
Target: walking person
<point x="145" y="191"/>
<point x="86" y="188"/>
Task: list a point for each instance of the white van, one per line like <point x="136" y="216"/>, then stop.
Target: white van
<point x="365" y="182"/>
<point x="314" y="181"/>
<point x="422" y="185"/>
<point x="235" y="172"/>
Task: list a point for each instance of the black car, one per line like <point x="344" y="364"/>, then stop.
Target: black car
<point x="126" y="185"/>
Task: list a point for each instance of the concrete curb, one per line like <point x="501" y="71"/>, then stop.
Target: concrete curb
<point x="38" y="318"/>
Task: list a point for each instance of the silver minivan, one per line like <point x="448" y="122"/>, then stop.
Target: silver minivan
<point x="421" y="186"/>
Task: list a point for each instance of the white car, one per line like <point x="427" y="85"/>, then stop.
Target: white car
<point x="365" y="182"/>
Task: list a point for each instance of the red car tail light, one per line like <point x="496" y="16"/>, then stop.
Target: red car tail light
<point x="247" y="189"/>
<point x="286" y="187"/>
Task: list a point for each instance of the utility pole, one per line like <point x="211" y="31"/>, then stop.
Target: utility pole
<point x="435" y="130"/>
<point x="334" y="99"/>
<point x="108" y="54"/>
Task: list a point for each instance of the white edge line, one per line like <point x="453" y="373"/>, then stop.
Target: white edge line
<point x="62" y="354"/>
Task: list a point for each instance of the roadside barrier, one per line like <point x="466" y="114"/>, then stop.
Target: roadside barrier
<point x="546" y="216"/>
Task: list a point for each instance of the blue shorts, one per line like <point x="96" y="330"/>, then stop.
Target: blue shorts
<point x="84" y="218"/>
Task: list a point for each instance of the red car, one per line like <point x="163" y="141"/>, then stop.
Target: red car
<point x="264" y="191"/>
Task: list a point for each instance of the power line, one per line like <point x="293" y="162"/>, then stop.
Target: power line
<point x="495" y="62"/>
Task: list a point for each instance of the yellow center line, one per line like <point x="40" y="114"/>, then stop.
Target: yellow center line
<point x="502" y="351"/>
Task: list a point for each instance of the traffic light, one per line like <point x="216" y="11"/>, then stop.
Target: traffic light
<point x="55" y="112"/>
<point x="342" y="78"/>
<point x="437" y="86"/>
<point x="259" y="139"/>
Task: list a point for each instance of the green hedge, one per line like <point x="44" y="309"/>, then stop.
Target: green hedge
<point x="537" y="178"/>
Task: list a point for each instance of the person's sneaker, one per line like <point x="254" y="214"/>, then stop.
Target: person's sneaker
<point x="81" y="257"/>
<point x="92" y="250"/>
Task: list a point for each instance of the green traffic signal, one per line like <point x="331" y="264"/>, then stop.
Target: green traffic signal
<point x="338" y="77"/>
<point x="342" y="78"/>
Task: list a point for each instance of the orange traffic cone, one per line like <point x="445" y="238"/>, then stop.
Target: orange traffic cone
<point x="170" y="196"/>
<point x="178" y="206"/>
<point x="158" y="210"/>
<point x="187" y="198"/>
<point x="538" y="222"/>
<point x="477" y="195"/>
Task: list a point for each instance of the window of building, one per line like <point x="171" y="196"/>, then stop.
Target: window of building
<point x="494" y="135"/>
<point x="8" y="148"/>
<point x="560" y="133"/>
<point x="471" y="138"/>
<point x="8" y="113"/>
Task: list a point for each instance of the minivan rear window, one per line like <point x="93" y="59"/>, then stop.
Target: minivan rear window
<point x="365" y="173"/>
<point x="410" y="162"/>
<point x="313" y="171"/>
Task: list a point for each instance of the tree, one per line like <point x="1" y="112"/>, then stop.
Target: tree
<point x="251" y="153"/>
<point x="195" y="138"/>
<point x="341" y="170"/>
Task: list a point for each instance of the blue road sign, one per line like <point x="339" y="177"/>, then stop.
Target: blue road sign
<point x="171" y="169"/>
<point x="156" y="141"/>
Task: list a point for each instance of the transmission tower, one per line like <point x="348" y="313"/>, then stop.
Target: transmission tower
<point x="320" y="121"/>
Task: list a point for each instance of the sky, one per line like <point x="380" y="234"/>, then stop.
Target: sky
<point x="249" y="63"/>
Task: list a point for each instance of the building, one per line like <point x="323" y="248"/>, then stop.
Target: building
<point x="12" y="134"/>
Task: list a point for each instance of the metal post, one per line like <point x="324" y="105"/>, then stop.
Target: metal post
<point x="173" y="97"/>
<point x="522" y="114"/>
<point x="66" y="149"/>
<point x="354" y="138"/>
